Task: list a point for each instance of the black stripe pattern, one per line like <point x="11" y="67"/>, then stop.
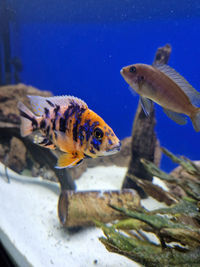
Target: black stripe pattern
<point x="32" y="119"/>
<point x="73" y="110"/>
<point x="50" y="103"/>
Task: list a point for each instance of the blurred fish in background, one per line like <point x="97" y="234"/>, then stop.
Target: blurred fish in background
<point x="166" y="87"/>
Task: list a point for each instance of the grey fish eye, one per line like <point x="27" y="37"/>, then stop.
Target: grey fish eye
<point x="132" y="69"/>
<point x="98" y="133"/>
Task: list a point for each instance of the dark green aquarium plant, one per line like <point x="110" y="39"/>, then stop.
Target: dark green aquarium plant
<point x="176" y="227"/>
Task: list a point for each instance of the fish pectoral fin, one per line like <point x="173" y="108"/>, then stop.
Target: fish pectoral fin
<point x="43" y="141"/>
<point x="68" y="160"/>
<point x="133" y="92"/>
<point x="177" y="117"/>
<point x="146" y="105"/>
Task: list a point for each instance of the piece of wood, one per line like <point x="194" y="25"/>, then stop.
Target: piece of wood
<point x="142" y="146"/>
<point x="144" y="141"/>
<point x="82" y="208"/>
<point x="154" y="191"/>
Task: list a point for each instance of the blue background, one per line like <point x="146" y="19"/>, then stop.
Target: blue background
<point x="78" y="48"/>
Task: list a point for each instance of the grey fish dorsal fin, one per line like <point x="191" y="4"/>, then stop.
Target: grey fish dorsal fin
<point x="39" y="103"/>
<point x="177" y="117"/>
<point x="187" y="88"/>
<point x="146" y="105"/>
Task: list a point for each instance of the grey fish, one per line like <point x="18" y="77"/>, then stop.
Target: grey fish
<point x="166" y="87"/>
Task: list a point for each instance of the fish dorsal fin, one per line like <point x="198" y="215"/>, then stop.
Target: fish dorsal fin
<point x="39" y="103"/>
<point x="177" y="117"/>
<point x="187" y="88"/>
<point x="66" y="100"/>
<point x="146" y="105"/>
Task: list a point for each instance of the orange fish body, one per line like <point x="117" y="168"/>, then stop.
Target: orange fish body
<point x="66" y="123"/>
<point x="164" y="86"/>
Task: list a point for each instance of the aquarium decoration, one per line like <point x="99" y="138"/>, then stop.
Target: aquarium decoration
<point x="81" y="208"/>
<point x="144" y="143"/>
<point x="176" y="227"/>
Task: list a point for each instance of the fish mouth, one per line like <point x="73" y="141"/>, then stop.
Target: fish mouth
<point x="128" y="77"/>
<point x="124" y="74"/>
<point x="114" y="149"/>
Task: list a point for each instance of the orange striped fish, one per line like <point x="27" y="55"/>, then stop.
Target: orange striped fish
<point x="66" y="123"/>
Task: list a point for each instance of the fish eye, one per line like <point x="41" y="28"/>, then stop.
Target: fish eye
<point x="132" y="69"/>
<point x="98" y="133"/>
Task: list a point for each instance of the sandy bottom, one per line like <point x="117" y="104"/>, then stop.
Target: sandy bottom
<point x="30" y="229"/>
<point x="101" y="178"/>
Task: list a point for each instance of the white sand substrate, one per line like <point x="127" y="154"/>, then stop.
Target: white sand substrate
<point x="30" y="229"/>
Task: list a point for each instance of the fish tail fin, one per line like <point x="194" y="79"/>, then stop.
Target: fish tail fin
<point x="196" y="120"/>
<point x="29" y="122"/>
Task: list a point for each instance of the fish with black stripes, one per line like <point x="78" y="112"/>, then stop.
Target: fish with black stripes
<point x="66" y="123"/>
<point x="166" y="87"/>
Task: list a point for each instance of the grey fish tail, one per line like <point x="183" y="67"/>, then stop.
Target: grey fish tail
<point x="29" y="121"/>
<point x="196" y="120"/>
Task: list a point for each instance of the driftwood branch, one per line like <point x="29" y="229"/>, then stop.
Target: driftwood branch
<point x="154" y="191"/>
<point x="82" y="208"/>
<point x="144" y="142"/>
<point x="179" y="223"/>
